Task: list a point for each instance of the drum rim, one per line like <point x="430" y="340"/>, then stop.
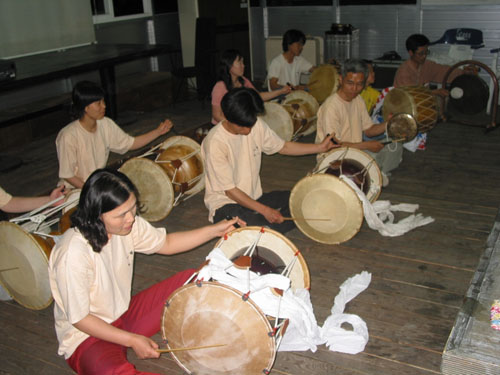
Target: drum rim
<point x="358" y="207"/>
<point x="166" y="184"/>
<point x="216" y="284"/>
<point x="376" y="178"/>
<point x="302" y="261"/>
<point x="36" y="248"/>
<point x="186" y="141"/>
<point x="288" y="130"/>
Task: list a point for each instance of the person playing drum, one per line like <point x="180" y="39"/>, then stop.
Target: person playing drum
<point x="418" y="71"/>
<point x="8" y="203"/>
<point x="344" y="114"/>
<point x="231" y="72"/>
<point x="90" y="272"/>
<point x="83" y="145"/>
<point x="286" y="68"/>
<point x="232" y="152"/>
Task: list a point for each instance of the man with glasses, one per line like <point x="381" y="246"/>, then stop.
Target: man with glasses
<point x="417" y="70"/>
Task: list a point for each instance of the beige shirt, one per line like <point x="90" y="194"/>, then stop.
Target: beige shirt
<point x="81" y="152"/>
<point x="348" y="120"/>
<point x="234" y="161"/>
<point x="4" y="197"/>
<point x="85" y="282"/>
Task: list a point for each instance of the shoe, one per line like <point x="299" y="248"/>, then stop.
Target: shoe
<point x="385" y="180"/>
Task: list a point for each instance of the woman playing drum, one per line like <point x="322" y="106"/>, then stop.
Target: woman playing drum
<point x="83" y="146"/>
<point x="231" y="72"/>
<point x="91" y="270"/>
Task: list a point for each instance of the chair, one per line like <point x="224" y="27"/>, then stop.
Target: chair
<point x="205" y="60"/>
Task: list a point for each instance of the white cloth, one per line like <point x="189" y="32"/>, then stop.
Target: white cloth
<point x="379" y="215"/>
<point x="303" y="332"/>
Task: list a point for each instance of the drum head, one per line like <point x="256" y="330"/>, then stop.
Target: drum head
<point x="469" y="94"/>
<point x="178" y="147"/>
<point x="28" y="281"/>
<point x="362" y="158"/>
<point x="308" y="101"/>
<point x="417" y="101"/>
<point x="324" y="81"/>
<point x="278" y="120"/>
<point x="156" y="193"/>
<point x="214" y="314"/>
<point x="402" y="126"/>
<point x="323" y="196"/>
<point x="283" y="251"/>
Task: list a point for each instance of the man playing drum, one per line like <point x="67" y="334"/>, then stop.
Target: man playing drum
<point x="83" y="145"/>
<point x="232" y="152"/>
<point x="90" y="271"/>
<point x="418" y="71"/>
<point x="286" y="68"/>
<point x="344" y="114"/>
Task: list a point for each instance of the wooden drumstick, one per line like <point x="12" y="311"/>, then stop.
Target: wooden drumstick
<point x="393" y="141"/>
<point x="304" y="218"/>
<point x="189" y="348"/>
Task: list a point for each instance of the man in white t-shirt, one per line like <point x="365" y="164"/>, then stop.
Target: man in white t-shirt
<point x="286" y="68"/>
<point x="232" y="152"/>
<point x="344" y="114"/>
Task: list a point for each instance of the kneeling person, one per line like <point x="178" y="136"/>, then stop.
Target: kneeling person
<point x="232" y="152"/>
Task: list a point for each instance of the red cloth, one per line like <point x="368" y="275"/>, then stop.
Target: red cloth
<point x="95" y="356"/>
<point x="430" y="71"/>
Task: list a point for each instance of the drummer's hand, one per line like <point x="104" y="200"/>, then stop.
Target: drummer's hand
<point x="226" y="226"/>
<point x="471" y="69"/>
<point x="144" y="347"/>
<point x="328" y="143"/>
<point x="441" y="92"/>
<point x="374" y="146"/>
<point x="272" y="215"/>
<point x="285" y="90"/>
<point x="59" y="191"/>
<point x="164" y="127"/>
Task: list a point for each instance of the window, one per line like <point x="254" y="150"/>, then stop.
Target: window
<point x="115" y="10"/>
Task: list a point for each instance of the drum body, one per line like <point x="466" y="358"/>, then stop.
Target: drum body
<point x="178" y="167"/>
<point x="295" y="117"/>
<point x="24" y="259"/>
<point x="324" y="81"/>
<point x="417" y="101"/>
<point x="274" y="251"/>
<point x="326" y="209"/>
<point x="355" y="164"/>
<point x="210" y="313"/>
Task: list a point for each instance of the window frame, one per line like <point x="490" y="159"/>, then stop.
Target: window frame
<point x="109" y="16"/>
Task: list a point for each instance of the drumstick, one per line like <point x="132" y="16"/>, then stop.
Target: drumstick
<point x="304" y="218"/>
<point x="189" y="348"/>
<point x="9" y="269"/>
<point x="393" y="141"/>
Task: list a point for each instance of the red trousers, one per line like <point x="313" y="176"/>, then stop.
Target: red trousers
<point x="97" y="357"/>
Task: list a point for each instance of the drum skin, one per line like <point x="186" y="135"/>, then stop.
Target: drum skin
<point x="278" y="119"/>
<point x="302" y="108"/>
<point x="324" y="81"/>
<point x="156" y="194"/>
<point x="28" y="254"/>
<point x="210" y="313"/>
<point x="475" y="94"/>
<point x="241" y="238"/>
<point x="417" y="101"/>
<point x="336" y="208"/>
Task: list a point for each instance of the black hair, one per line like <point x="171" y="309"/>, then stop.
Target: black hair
<point x="84" y="93"/>
<point x="291" y="36"/>
<point x="227" y="59"/>
<point x="104" y="190"/>
<point x="415" y="41"/>
<point x="242" y="105"/>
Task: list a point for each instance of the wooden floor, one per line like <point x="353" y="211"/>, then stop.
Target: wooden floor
<point x="418" y="280"/>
